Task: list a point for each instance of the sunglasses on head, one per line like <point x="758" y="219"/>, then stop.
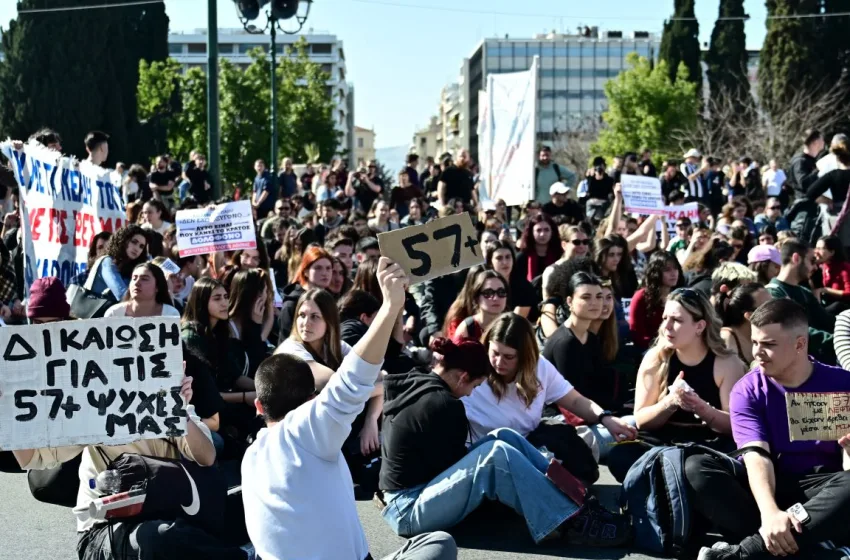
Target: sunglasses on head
<point x="578" y="242"/>
<point x="689" y="293"/>
<point x="490" y="294"/>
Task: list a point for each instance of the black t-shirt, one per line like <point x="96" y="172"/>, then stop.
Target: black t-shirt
<point x="161" y="179"/>
<point x="205" y="395"/>
<point x="197" y="179"/>
<point x="571" y="209"/>
<point x="648" y="168"/>
<point x="307" y="181"/>
<point x="600" y="188"/>
<point x="459" y="183"/>
<point x="366" y="196"/>
<point x="837" y="180"/>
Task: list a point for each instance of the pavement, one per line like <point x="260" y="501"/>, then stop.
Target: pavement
<point x="30" y="529"/>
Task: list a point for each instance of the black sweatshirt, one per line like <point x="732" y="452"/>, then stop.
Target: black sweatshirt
<point x="424" y="430"/>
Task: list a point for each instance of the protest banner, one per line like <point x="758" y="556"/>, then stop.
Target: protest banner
<point x="170" y="267"/>
<point x="64" y="204"/>
<point x="225" y="227"/>
<point x="627" y="307"/>
<point x="673" y="213"/>
<point x="507" y="123"/>
<point x="818" y="416"/>
<point x="642" y="195"/>
<point x="440" y="247"/>
<point x="108" y="381"/>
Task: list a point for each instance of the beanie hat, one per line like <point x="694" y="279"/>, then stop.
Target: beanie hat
<point x="467" y="355"/>
<point x="47" y="299"/>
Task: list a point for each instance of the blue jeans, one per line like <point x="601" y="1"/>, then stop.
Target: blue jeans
<point x="502" y="466"/>
<point x="604" y="438"/>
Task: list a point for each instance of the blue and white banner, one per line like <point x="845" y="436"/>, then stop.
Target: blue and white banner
<point x="507" y="126"/>
<point x="64" y="204"/>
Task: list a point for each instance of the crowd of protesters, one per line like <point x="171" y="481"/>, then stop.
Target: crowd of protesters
<point x="588" y="336"/>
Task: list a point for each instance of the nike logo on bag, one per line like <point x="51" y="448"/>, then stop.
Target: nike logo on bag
<point x="195" y="506"/>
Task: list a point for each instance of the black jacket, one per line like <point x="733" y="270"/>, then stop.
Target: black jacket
<point x="352" y="330"/>
<point x="802" y="173"/>
<point x="290" y="295"/>
<point x="424" y="430"/>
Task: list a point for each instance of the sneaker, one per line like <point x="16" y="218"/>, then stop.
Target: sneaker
<point x="596" y="526"/>
<point x="720" y="551"/>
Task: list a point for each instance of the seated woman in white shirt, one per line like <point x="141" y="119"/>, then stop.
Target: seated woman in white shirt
<point x="147" y="296"/>
<point x="315" y="338"/>
<point x="155" y="216"/>
<point x="520" y="385"/>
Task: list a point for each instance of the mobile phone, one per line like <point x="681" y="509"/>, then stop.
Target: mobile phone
<point x="799" y="512"/>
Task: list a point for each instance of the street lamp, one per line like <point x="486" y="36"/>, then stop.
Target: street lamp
<point x="279" y="10"/>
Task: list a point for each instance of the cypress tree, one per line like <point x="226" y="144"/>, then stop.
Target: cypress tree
<point x="680" y="43"/>
<point x="727" y="55"/>
<point x="76" y="71"/>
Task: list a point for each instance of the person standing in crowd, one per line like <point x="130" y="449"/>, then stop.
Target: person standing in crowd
<point x="161" y="180"/>
<point x="647" y="168"/>
<point x="835" y="270"/>
<point x="199" y="180"/>
<point x="804" y="171"/>
<point x="752" y="500"/>
<point x="562" y="205"/>
<point x="315" y="271"/>
<point x="295" y="483"/>
<point x="541" y="247"/>
<point x="694" y="168"/>
<point x="456" y="180"/>
<point x="148" y="295"/>
<point x="663" y="275"/>
<point x="154" y="216"/>
<point x="735" y="307"/>
<point x="837" y="183"/>
<point x="798" y="262"/>
<point x="125" y="249"/>
<point x="600" y="190"/>
<point x="410" y="169"/>
<point x="402" y="194"/>
<point x="287" y="180"/>
<point x="264" y="193"/>
<point x="97" y="146"/>
<point x="547" y="173"/>
<point x="773" y="179"/>
<point x="364" y="188"/>
<point x="431" y="481"/>
<point x="307" y="178"/>
<point x="683" y="384"/>
<point x="490" y="293"/>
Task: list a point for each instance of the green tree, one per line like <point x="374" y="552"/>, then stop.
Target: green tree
<point x="680" y="43"/>
<point x="791" y="58"/>
<point x="57" y="72"/>
<point x="645" y="107"/>
<point x="727" y="55"/>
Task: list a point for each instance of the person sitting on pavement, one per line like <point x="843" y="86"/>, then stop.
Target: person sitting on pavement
<point x="781" y="497"/>
<point x="296" y="486"/>
<point x="683" y="383"/>
<point x="735" y="307"/>
<point x="431" y="481"/>
<point x="490" y="293"/>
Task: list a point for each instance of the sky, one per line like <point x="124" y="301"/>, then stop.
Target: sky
<point x="400" y="53"/>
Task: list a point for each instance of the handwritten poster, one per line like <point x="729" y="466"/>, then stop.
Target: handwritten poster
<point x="818" y="416"/>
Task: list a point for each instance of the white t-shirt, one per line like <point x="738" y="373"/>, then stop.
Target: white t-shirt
<point x="160" y="230"/>
<point x="774" y="180"/>
<point x="485" y="413"/>
<point x="120" y="310"/>
<point x="294" y="348"/>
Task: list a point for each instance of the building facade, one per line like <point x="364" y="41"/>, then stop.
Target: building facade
<point x="364" y="145"/>
<point x="190" y="50"/>
<point x="572" y="74"/>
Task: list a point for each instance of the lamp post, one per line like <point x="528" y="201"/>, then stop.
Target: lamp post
<point x="279" y="10"/>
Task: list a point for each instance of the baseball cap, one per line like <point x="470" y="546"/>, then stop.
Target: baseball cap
<point x="762" y="253"/>
<point x="693" y="152"/>
<point x="558" y="188"/>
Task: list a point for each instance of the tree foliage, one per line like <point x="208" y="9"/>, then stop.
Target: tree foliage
<point x="727" y="55"/>
<point x="644" y="107"/>
<point x="680" y="43"/>
<point x="76" y="71"/>
<point x="304" y="110"/>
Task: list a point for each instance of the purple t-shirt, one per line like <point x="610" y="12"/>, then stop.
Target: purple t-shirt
<point x="757" y="410"/>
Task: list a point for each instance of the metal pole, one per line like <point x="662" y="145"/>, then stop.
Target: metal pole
<point x="213" y="156"/>
<point x="273" y="48"/>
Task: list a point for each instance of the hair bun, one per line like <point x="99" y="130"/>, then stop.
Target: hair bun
<point x="443" y="346"/>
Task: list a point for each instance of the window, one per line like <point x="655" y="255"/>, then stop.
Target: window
<point x="226" y="48"/>
<point x="245" y="47"/>
<point x="328" y="69"/>
<point x="360" y="143"/>
<point x="321" y="48"/>
<point x="175" y="48"/>
<point x="197" y="48"/>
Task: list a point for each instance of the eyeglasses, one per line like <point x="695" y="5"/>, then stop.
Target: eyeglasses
<point x="490" y="294"/>
<point x="578" y="242"/>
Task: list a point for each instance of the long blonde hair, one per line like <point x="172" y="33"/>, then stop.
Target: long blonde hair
<point x="700" y="309"/>
<point x="515" y="331"/>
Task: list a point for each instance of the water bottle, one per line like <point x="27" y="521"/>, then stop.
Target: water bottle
<point x="108" y="482"/>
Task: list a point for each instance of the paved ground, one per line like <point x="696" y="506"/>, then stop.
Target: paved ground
<point x="30" y="529"/>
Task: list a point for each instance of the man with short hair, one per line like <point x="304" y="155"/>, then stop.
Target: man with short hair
<point x="199" y="180"/>
<point x="341" y="248"/>
<point x="456" y="180"/>
<point x="647" y="168"/>
<point x="684" y="230"/>
<point x="781" y="497"/>
<point x="97" y="146"/>
<point x="368" y="248"/>
<point x="694" y="168"/>
<point x="803" y="170"/>
<point x="296" y="486"/>
<point x="265" y="193"/>
<point x="798" y="262"/>
<point x="600" y="189"/>
<point x="161" y="180"/>
<point x="330" y="218"/>
<point x="772" y="216"/>
<point x="364" y="186"/>
<point x="773" y="179"/>
<point x="287" y="180"/>
<point x="547" y="173"/>
<point x="411" y="169"/>
<point x="562" y="205"/>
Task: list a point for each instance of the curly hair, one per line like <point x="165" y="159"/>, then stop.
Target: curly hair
<point x="559" y="279"/>
<point x="116" y="248"/>
<point x="653" y="281"/>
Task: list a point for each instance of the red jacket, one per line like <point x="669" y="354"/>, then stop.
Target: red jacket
<point x="643" y="326"/>
<point x="836" y="276"/>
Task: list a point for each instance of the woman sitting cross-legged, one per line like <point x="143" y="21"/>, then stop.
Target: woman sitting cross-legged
<point x="520" y="385"/>
<point x="431" y="480"/>
<point x="490" y="293"/>
<point x="688" y="349"/>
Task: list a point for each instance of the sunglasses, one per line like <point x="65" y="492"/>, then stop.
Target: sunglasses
<point x="578" y="242"/>
<point x="501" y="293"/>
<point x="688" y="293"/>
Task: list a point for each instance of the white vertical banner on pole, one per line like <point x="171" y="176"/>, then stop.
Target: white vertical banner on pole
<point x="485" y="146"/>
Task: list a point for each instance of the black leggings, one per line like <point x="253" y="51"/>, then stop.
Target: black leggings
<point x="719" y="491"/>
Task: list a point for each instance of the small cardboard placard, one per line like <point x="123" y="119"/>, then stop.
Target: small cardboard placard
<point x="170" y="267"/>
<point x="224" y="227"/>
<point x="642" y="195"/>
<point x="434" y="249"/>
<point x="818" y="416"/>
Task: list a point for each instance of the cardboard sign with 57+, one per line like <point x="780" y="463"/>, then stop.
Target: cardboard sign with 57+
<point x="434" y="249"/>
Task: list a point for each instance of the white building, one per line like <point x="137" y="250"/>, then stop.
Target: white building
<point x="190" y="50"/>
